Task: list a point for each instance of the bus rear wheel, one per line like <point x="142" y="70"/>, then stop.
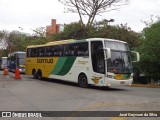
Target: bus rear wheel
<point x="39" y="74"/>
<point x="82" y="81"/>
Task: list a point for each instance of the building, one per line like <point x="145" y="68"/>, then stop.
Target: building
<point x="54" y="28"/>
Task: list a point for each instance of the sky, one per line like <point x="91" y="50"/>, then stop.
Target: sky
<point x="31" y="14"/>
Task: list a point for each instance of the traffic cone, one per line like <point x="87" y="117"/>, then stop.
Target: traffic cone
<point x="5" y="71"/>
<point x="17" y="74"/>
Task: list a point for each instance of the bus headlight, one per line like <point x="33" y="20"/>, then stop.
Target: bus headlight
<point x="111" y="76"/>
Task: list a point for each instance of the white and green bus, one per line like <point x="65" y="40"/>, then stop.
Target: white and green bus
<point x="94" y="61"/>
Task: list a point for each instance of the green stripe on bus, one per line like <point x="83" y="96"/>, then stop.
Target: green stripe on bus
<point x="63" y="65"/>
<point x="67" y="66"/>
<point x="59" y="65"/>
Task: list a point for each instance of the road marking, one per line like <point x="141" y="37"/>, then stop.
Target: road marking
<point x="100" y="104"/>
<point x="119" y="118"/>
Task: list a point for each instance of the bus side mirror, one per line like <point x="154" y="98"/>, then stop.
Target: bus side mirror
<point x="107" y="53"/>
<point x="135" y="54"/>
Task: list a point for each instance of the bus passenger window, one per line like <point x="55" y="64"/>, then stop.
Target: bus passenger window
<point x="48" y="51"/>
<point x="41" y="52"/>
<point x="34" y="52"/>
<point x="69" y="50"/>
<point x="29" y="52"/>
<point x="81" y="49"/>
<point x="57" y="50"/>
<point x="76" y="50"/>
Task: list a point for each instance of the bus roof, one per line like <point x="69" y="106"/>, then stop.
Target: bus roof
<point x="19" y="52"/>
<point x="3" y="57"/>
<point x="105" y="39"/>
<point x="74" y="41"/>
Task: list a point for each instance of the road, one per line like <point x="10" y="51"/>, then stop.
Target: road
<point x="29" y="94"/>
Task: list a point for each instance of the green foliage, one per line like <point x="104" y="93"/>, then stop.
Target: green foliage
<point x="3" y="53"/>
<point x="119" y="32"/>
<point x="99" y="30"/>
<point x="34" y="40"/>
<point x="40" y="31"/>
<point x="150" y="51"/>
<point x="71" y="31"/>
<point x="17" y="41"/>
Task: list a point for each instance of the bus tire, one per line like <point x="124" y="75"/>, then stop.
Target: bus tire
<point x="39" y="74"/>
<point x="82" y="80"/>
<point x="34" y="74"/>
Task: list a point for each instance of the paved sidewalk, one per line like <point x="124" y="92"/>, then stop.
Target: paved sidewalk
<point x="11" y="76"/>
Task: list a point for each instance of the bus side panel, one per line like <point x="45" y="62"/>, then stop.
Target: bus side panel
<point x="46" y="65"/>
<point x="73" y="68"/>
<point x="63" y="68"/>
<point x="63" y="65"/>
<point x="30" y="65"/>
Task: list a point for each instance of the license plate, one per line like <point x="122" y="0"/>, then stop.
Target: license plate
<point x="123" y="82"/>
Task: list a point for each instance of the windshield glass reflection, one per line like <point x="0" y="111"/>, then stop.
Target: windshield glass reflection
<point x="120" y="62"/>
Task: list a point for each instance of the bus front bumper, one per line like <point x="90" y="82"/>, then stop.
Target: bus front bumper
<point x="22" y="70"/>
<point x="113" y="82"/>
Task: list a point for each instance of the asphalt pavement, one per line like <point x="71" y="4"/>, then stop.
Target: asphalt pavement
<point x="27" y="94"/>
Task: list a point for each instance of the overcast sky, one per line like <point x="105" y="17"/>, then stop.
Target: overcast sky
<point x="30" y="14"/>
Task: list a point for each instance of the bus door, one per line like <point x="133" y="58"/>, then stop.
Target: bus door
<point x="98" y="62"/>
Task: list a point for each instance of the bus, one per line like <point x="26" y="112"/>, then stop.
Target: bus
<point x="93" y="61"/>
<point x="3" y="63"/>
<point x="16" y="60"/>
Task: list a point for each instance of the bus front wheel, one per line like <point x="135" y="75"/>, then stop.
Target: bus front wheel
<point x="82" y="81"/>
<point x="34" y="74"/>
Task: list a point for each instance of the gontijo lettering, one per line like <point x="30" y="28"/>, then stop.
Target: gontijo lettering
<point x="44" y="60"/>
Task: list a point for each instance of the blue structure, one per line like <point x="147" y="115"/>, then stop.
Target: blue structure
<point x="17" y="60"/>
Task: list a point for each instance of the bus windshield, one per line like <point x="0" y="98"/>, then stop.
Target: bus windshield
<point x="21" y="61"/>
<point x="22" y="55"/>
<point x="120" y="61"/>
<point x="4" y="61"/>
<point x="21" y="58"/>
<point x="117" y="45"/>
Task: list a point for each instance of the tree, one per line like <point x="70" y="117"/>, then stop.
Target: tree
<point x="72" y="31"/>
<point x="3" y="51"/>
<point x="16" y="41"/>
<point x="99" y="30"/>
<point x="40" y="32"/>
<point x="118" y="32"/>
<point x="3" y="39"/>
<point x="91" y="8"/>
<point x="149" y="51"/>
<point x="13" y="41"/>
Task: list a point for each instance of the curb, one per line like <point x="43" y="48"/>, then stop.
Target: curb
<point x="146" y="86"/>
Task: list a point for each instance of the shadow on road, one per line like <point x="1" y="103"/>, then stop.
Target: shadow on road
<point x="62" y="82"/>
